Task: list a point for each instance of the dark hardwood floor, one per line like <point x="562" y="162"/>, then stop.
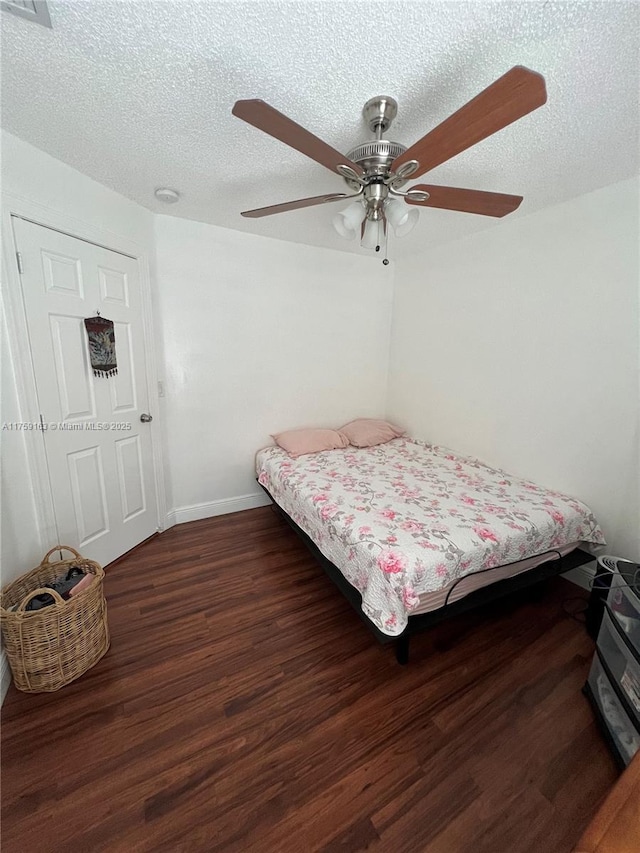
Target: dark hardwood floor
<point x="244" y="707"/>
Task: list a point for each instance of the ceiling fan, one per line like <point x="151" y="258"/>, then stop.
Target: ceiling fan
<point x="376" y="170"/>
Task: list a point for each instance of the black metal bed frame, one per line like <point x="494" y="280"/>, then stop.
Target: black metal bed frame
<point x="420" y="622"/>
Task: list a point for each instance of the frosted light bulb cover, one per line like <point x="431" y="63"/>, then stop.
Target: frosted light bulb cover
<point x="347" y="222"/>
<point x="408" y="223"/>
<point x="403" y="219"/>
<point x="373" y="235"/>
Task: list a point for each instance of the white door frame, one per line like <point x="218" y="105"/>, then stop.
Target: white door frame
<point x="20" y="349"/>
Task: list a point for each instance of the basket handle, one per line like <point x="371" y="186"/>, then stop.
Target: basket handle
<point x="40" y="591"/>
<point x="45" y="559"/>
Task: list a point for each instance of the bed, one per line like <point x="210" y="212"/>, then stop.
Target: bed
<point x="413" y="533"/>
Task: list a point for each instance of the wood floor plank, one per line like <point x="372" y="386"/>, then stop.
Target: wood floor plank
<point x="244" y="707"/>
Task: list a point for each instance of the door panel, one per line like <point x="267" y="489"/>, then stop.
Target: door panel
<point x="86" y="473"/>
<point x="72" y="368"/>
<point x="131" y="476"/>
<point x="62" y="274"/>
<point x="114" y="286"/>
<point x="122" y="387"/>
<point x="99" y="454"/>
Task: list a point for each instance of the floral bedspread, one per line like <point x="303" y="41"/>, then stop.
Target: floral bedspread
<point x="406" y="518"/>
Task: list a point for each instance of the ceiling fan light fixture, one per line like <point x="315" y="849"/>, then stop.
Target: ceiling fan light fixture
<point x="402" y="218"/>
<point x="347" y="222"/>
<point x="377" y="168"/>
<point x="373" y="234"/>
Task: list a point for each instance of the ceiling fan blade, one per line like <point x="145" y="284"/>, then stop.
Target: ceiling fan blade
<point x="512" y="96"/>
<point x="294" y="205"/>
<point x="266" y="118"/>
<point x="467" y="201"/>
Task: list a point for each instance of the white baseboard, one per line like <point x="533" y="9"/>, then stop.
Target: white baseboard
<point x="195" y="512"/>
<point x="5" y="676"/>
<point x="582" y="576"/>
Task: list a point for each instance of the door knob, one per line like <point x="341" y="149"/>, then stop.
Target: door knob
<point x="145" y="418"/>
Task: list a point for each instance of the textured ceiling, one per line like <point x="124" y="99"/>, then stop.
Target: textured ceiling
<point x="139" y="94"/>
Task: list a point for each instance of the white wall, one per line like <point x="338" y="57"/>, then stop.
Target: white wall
<point x="30" y="174"/>
<point x="260" y="335"/>
<point x="520" y="345"/>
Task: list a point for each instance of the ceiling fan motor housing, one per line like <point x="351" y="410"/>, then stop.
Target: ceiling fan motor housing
<point x="375" y="157"/>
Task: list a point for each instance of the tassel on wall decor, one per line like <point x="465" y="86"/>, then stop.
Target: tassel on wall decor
<point x="102" y="346"/>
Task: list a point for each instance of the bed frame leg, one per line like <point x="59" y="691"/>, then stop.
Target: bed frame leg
<point x="402" y="649"/>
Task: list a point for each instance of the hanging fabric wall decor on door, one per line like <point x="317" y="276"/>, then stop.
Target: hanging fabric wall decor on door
<point x="102" y="346"/>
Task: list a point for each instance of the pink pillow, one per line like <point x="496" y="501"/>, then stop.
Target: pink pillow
<point x="298" y="442"/>
<point x="367" y="432"/>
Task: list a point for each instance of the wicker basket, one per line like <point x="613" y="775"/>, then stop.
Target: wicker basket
<point x="50" y="647"/>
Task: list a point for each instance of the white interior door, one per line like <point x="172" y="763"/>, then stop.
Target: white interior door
<point x="98" y="451"/>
